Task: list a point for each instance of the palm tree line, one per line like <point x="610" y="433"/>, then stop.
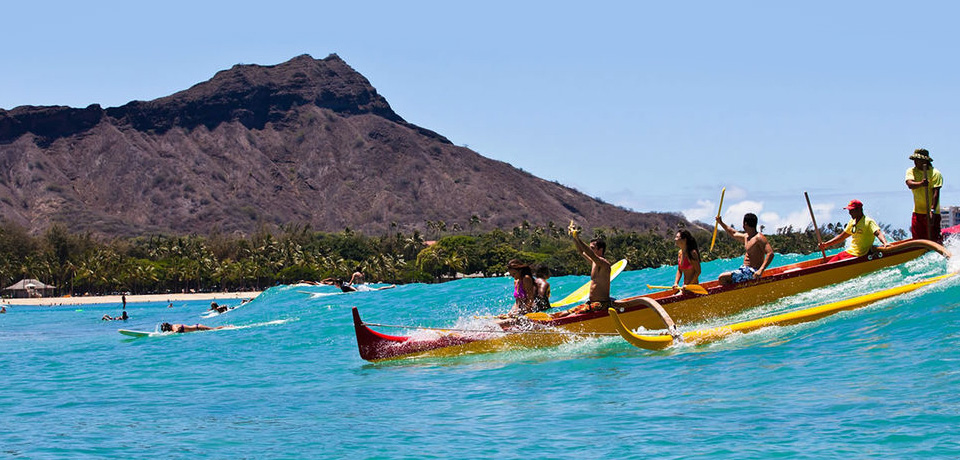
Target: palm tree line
<point x="80" y="264"/>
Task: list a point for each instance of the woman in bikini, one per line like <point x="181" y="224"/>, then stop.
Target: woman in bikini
<point x="524" y="288"/>
<point x="181" y="328"/>
<point x="688" y="259"/>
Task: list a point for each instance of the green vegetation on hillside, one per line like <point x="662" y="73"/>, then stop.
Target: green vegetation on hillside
<point x="81" y="264"/>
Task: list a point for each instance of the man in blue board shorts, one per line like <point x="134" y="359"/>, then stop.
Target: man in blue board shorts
<point x="758" y="252"/>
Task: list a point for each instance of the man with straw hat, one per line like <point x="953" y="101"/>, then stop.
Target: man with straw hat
<point x="925" y="182"/>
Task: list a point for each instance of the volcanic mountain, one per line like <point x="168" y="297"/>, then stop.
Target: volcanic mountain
<point x="307" y="141"/>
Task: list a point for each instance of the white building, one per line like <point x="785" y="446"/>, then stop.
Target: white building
<point x="949" y="216"/>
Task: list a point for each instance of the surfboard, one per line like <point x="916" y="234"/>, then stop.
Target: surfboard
<point x="212" y="313"/>
<point x="583" y="292"/>
<point x="131" y="333"/>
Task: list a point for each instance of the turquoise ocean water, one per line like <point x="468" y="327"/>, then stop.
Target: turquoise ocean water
<point x="879" y="382"/>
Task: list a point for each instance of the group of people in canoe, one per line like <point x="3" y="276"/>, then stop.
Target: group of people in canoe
<point x="922" y="179"/>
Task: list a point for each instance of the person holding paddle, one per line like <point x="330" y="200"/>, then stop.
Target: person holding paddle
<point x="758" y="252"/>
<point x="688" y="259"/>
<point x="925" y="182"/>
<point x="599" y="299"/>
<point x="863" y="229"/>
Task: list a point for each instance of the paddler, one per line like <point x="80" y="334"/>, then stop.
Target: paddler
<point x="925" y="181"/>
<point x="594" y="252"/>
<point x="757" y="255"/>
<point x="863" y="229"/>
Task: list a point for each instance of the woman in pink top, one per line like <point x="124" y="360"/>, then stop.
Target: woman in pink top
<point x="688" y="259"/>
<point x="524" y="288"/>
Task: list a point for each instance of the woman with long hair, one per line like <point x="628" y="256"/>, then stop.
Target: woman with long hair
<point x="524" y="288"/>
<point x="688" y="259"/>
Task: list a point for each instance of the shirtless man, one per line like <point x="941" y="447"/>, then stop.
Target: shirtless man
<point x="758" y="254"/>
<point x="356" y="278"/>
<point x="599" y="275"/>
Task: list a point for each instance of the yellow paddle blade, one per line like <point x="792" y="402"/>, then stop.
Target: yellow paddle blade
<point x="538" y="316"/>
<point x="715" y="225"/>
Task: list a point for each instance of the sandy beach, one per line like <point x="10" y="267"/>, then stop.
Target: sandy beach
<point x="54" y="301"/>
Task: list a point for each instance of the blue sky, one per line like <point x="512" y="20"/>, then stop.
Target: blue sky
<point x="654" y="106"/>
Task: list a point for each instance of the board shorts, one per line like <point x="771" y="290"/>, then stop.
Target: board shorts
<point x="918" y="227"/>
<point x="744" y="273"/>
<point x="589" y="307"/>
<point x="842" y="255"/>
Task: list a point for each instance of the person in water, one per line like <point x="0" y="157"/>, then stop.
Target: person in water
<point x="524" y="288"/>
<point x="541" y="301"/>
<point x="181" y="328"/>
<point x="925" y="182"/>
<point x="757" y="251"/>
<point x="345" y="287"/>
<point x="864" y="231"/>
<point x="357" y="277"/>
<point x="123" y="317"/>
<point x="595" y="252"/>
<point x="688" y="259"/>
<point x="218" y="308"/>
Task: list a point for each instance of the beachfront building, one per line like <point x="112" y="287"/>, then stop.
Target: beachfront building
<point x="949" y="216"/>
<point x="27" y="287"/>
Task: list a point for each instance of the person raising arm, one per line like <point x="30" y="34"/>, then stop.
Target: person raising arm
<point x="757" y="251"/>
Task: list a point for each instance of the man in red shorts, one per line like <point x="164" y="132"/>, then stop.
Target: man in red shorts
<point x="925" y="182"/>
<point x="864" y="231"/>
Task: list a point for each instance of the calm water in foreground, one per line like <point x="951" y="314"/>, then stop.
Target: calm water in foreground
<point x="879" y="382"/>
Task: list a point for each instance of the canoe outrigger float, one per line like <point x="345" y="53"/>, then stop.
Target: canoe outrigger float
<point x="540" y="329"/>
<point x="701" y="336"/>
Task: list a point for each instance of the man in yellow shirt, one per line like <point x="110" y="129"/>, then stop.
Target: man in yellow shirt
<point x="925" y="182"/>
<point x="863" y="229"/>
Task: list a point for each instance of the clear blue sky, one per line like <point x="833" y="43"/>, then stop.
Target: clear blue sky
<point x="654" y="106"/>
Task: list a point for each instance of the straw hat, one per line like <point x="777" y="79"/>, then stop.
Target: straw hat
<point x="922" y="155"/>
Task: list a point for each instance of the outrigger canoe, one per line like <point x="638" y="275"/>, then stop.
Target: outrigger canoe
<point x="541" y="329"/>
<point x="701" y="336"/>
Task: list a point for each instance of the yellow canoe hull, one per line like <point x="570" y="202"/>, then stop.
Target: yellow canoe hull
<point x="542" y="330"/>
<point x="686" y="307"/>
<point x="661" y="341"/>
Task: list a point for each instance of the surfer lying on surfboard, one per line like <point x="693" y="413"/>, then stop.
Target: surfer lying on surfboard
<point x="181" y="328"/>
<point x="123" y="317"/>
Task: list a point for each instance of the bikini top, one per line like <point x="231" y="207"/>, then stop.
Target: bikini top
<point x="518" y="291"/>
<point x="680" y="262"/>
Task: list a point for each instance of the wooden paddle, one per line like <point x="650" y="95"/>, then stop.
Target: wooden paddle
<point x="926" y="202"/>
<point x="694" y="288"/>
<point x="815" y="228"/>
<point x="716" y="224"/>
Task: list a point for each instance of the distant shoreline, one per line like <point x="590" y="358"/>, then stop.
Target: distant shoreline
<point x="173" y="297"/>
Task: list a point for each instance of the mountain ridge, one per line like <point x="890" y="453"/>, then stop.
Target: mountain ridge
<point x="307" y="141"/>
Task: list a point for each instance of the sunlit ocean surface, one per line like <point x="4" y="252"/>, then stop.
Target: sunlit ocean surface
<point x="878" y="382"/>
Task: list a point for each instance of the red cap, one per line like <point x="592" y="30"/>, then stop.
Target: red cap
<point x="854" y="204"/>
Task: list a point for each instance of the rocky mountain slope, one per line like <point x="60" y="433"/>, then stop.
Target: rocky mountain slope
<point x="307" y="141"/>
